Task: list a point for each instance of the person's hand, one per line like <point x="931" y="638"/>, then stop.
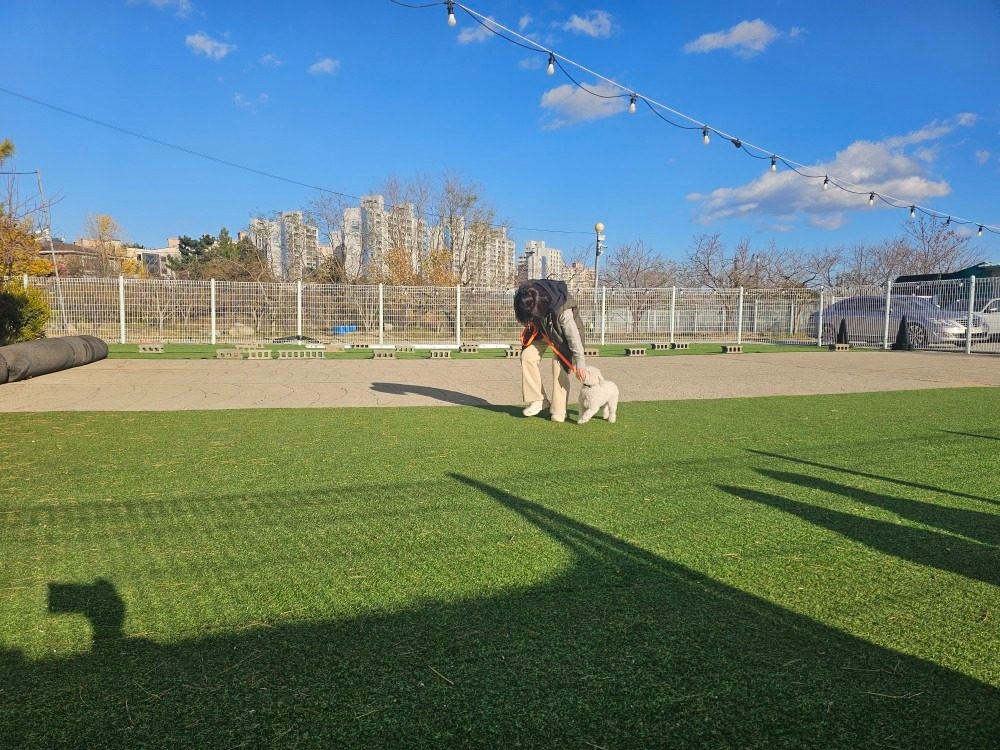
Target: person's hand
<point x="581" y="373"/>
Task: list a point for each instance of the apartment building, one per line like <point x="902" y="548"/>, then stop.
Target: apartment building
<point x="541" y="262"/>
<point x="290" y="244"/>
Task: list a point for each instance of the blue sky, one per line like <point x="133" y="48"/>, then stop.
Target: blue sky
<point x="898" y="97"/>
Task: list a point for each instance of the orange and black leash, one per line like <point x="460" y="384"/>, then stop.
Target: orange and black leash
<point x="531" y="331"/>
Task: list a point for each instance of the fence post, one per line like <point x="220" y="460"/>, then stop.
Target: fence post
<point x="819" y="322"/>
<point x="604" y="310"/>
<point x="673" y="308"/>
<point x="212" y="296"/>
<point x="739" y="321"/>
<point x="968" y="321"/>
<point x="888" y="306"/>
<point x="298" y="300"/>
<point x="24" y="280"/>
<point x="381" y="315"/>
<point x="121" y="309"/>
<point x="458" y="314"/>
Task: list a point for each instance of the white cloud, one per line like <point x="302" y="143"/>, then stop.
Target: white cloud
<point x="326" y="66"/>
<point x="524" y="22"/>
<point x="885" y="167"/>
<point x="250" y="103"/>
<point x="982" y="156"/>
<point x="476" y="34"/>
<point x="183" y="7"/>
<point x="570" y="104"/>
<point x="537" y="62"/>
<point x="597" y="23"/>
<point x="746" y="39"/>
<point x="271" y="60"/>
<point x="202" y="44"/>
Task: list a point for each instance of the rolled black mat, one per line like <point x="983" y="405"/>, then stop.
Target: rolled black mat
<point x="33" y="358"/>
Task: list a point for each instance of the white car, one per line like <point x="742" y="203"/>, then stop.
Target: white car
<point x="988" y="308"/>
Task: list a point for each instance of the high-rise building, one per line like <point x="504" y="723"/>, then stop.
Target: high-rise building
<point x="289" y="243"/>
<point x="541" y="262"/>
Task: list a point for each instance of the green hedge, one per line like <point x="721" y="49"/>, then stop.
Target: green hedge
<point x="23" y="314"/>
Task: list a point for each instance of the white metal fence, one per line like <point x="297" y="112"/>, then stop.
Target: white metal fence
<point x="214" y="312"/>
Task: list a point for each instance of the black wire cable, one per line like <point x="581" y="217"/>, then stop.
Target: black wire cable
<point x="493" y="30"/>
<point x="232" y="164"/>
<point x="408" y="5"/>
<point x="580" y="85"/>
<point x="665" y="119"/>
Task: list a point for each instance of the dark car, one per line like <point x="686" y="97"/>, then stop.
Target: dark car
<point x="926" y="323"/>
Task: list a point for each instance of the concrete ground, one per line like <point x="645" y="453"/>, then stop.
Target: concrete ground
<point x="174" y="384"/>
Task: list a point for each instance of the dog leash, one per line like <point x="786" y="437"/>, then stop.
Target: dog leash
<point x="531" y="331"/>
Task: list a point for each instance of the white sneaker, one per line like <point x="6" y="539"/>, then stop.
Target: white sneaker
<point x="558" y="417"/>
<point x="534" y="408"/>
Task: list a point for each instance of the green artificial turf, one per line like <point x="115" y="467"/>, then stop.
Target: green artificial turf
<point x="815" y="572"/>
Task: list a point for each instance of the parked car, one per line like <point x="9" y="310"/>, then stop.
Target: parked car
<point x="926" y="323"/>
<point x="987" y="308"/>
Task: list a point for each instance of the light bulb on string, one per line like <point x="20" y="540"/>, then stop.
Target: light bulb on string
<point x="871" y="199"/>
<point x="551" y="68"/>
<point x="826" y="182"/>
<point x="631" y="104"/>
<point x="774" y="163"/>
<point x="451" y="13"/>
<point x="913" y="211"/>
<point x="704" y="135"/>
<point x="980" y="232"/>
<point x="947" y="222"/>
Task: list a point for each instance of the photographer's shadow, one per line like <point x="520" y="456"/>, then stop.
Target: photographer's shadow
<point x="99" y="602"/>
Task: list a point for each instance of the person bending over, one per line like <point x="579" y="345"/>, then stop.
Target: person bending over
<point x="551" y="318"/>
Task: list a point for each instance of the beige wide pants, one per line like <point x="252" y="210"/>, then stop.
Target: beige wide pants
<point x="531" y="379"/>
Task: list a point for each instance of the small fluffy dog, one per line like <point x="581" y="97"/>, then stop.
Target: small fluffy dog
<point x="595" y="393"/>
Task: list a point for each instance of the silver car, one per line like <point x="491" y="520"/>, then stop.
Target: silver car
<point x="926" y="323"/>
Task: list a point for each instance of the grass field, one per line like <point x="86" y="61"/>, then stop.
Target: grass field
<point x="818" y="572"/>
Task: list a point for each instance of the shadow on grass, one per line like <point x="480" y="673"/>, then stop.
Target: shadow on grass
<point x="948" y="553"/>
<point x="971" y="434"/>
<point x="866" y="475"/>
<point x="442" y="394"/>
<point x="620" y="649"/>
<point x="974" y="524"/>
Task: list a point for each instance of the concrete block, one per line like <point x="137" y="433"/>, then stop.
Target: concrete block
<point x="440" y="353"/>
<point x="840" y="347"/>
<point x="407" y="349"/>
<point x="513" y="353"/>
<point x="732" y="349"/>
<point x="660" y="347"/>
<point x="301" y="354"/>
<point x="591" y="352"/>
<point x="469" y="348"/>
<point x="635" y="351"/>
<point x="151" y="348"/>
<point x="259" y="354"/>
<point x="228" y="354"/>
<point x="679" y="345"/>
<point x="384" y="354"/>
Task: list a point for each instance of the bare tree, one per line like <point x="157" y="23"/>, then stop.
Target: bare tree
<point x="637" y="270"/>
<point x="465" y="229"/>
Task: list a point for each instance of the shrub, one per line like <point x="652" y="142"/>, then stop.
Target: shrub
<point x="23" y="314"/>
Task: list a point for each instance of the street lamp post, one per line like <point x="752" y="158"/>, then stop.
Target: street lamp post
<point x="598" y="249"/>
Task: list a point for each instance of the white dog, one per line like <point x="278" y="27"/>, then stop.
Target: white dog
<point x="595" y="393"/>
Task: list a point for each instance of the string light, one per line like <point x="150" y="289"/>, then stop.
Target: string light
<point x="980" y="232"/>
<point x="913" y="211"/>
<point x="947" y="221"/>
<point x="796" y="167"/>
<point x="451" y="13"/>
